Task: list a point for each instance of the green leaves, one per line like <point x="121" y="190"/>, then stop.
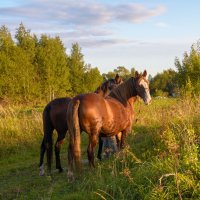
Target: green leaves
<point x="164" y="84"/>
<point x="52" y="67"/>
<point x="189" y="71"/>
<point x="39" y="69"/>
<point x="83" y="78"/>
<point x="76" y="66"/>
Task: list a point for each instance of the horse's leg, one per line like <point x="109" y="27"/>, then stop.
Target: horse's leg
<point x="118" y="139"/>
<point x="42" y="151"/>
<point x="100" y="147"/>
<point x="61" y="136"/>
<point x="46" y="146"/>
<point x="49" y="147"/>
<point x="70" y="163"/>
<point x="48" y="132"/>
<point x="91" y="146"/>
<point x="123" y="137"/>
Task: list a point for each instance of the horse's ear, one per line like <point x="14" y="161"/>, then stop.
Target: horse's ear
<point x="144" y="73"/>
<point x="117" y="78"/>
<point x="136" y="74"/>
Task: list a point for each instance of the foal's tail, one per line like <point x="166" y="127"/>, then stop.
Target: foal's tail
<point x="74" y="132"/>
<point x="48" y="130"/>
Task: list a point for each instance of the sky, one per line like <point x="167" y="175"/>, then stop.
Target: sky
<point x="145" y="34"/>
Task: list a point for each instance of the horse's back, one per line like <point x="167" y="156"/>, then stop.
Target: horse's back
<point x="92" y="102"/>
<point x="55" y="113"/>
<point x="91" y="105"/>
<point x="105" y="114"/>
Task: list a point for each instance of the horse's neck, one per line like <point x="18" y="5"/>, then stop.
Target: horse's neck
<point x="130" y="104"/>
<point x="132" y="100"/>
<point x="124" y="92"/>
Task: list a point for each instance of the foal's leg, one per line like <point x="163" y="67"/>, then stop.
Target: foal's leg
<point x="46" y="146"/>
<point x="61" y="136"/>
<point x="42" y="152"/>
<point x="90" y="150"/>
<point x="100" y="147"/>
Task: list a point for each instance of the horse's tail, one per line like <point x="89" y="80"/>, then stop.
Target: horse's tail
<point x="48" y="131"/>
<point x="74" y="131"/>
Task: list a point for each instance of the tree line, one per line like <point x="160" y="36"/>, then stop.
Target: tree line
<point x="40" y="69"/>
<point x="184" y="81"/>
<point x="33" y="68"/>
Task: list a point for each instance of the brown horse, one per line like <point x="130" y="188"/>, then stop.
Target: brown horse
<point x="54" y="117"/>
<point x="109" y="116"/>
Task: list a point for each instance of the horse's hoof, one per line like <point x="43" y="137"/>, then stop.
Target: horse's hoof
<point x="41" y="170"/>
<point x="41" y="173"/>
<point x="70" y="176"/>
<point x="99" y="157"/>
<point x="60" y="169"/>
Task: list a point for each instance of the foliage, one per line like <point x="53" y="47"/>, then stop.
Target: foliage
<point x="189" y="71"/>
<point x="164" y="84"/>
<point x="161" y="160"/>
<point x="76" y="65"/>
<point x="122" y="71"/>
<point x="92" y="79"/>
<point x="36" y="69"/>
<point x="52" y="67"/>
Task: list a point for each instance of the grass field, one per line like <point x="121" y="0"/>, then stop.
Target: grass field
<point x="161" y="160"/>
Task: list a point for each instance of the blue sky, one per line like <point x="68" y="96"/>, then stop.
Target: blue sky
<point x="145" y="34"/>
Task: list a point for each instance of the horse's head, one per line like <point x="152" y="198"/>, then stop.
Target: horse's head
<point x="109" y="85"/>
<point x="113" y="83"/>
<point x="142" y="87"/>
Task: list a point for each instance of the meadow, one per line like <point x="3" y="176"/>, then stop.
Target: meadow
<point x="161" y="160"/>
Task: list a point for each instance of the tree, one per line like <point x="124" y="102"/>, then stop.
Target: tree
<point x="150" y="78"/>
<point x="164" y="83"/>
<point x="108" y="75"/>
<point x="8" y="69"/>
<point x="25" y="61"/>
<point x="6" y="41"/>
<point x="76" y="65"/>
<point x="92" y="79"/>
<point x="52" y="64"/>
<point x="26" y="41"/>
<point x="189" y="69"/>
<point x="123" y="72"/>
<point x="133" y="71"/>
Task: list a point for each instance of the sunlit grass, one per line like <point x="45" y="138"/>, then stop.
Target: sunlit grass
<point x="161" y="160"/>
<point x="19" y="129"/>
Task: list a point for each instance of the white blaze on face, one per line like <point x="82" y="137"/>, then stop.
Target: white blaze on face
<point x="147" y="96"/>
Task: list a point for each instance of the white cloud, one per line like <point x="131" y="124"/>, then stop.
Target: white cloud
<point x="83" y="21"/>
<point x="137" y="13"/>
<point x="83" y="12"/>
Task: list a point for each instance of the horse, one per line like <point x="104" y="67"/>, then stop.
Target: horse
<point x="109" y="116"/>
<point x="54" y="118"/>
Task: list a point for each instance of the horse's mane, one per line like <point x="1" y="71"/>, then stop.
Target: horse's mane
<point x="104" y="86"/>
<point x="124" y="91"/>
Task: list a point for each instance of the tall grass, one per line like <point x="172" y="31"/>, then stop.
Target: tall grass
<point x="161" y="160"/>
<point x="20" y="128"/>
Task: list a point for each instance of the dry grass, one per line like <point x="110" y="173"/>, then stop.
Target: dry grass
<point x="160" y="162"/>
<point x="19" y="128"/>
